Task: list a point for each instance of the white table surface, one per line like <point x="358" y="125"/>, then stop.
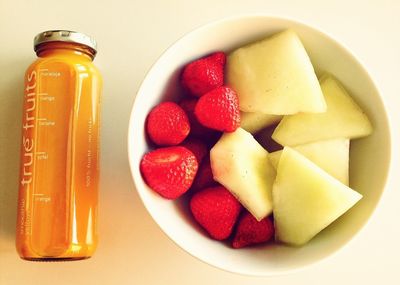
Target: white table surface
<point x="131" y="35"/>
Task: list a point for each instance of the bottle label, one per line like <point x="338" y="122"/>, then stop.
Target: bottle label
<point x="28" y="144"/>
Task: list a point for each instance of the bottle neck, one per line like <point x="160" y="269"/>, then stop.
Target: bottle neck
<point x="65" y="49"/>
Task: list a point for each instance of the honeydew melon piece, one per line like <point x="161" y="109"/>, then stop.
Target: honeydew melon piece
<point x="274" y="158"/>
<point x="306" y="199"/>
<point x="241" y="164"/>
<point x="275" y="76"/>
<point x="343" y="119"/>
<point x="255" y="122"/>
<point x="331" y="155"/>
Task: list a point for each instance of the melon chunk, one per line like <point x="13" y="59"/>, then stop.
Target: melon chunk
<point x="343" y="119"/>
<point x="275" y="76"/>
<point x="241" y="164"/>
<point x="331" y="155"/>
<point x="306" y="199"/>
<point x="274" y="158"/>
<point x="255" y="122"/>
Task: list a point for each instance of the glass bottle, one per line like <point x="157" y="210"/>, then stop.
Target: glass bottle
<point x="59" y="168"/>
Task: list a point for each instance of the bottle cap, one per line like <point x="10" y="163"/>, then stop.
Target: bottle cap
<point x="64" y="36"/>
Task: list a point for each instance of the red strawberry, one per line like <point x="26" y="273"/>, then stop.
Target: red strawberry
<point x="219" y="110"/>
<point x="167" y="124"/>
<point x="169" y="171"/>
<point x="196" y="129"/>
<point x="205" y="74"/>
<point x="204" y="177"/>
<point x="216" y="210"/>
<point x="249" y="231"/>
<point x="196" y="146"/>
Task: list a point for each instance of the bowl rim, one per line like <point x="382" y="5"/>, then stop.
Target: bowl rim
<point x="240" y="17"/>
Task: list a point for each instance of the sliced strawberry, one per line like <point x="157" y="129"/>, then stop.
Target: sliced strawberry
<point x="169" y="171"/>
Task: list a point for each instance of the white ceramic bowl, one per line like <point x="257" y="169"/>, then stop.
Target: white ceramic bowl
<point x="370" y="157"/>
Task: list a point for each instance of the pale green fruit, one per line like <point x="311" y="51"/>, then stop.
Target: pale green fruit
<point x="275" y="76"/>
<point x="274" y="158"/>
<point x="306" y="199"/>
<point x="241" y="164"/>
<point x="255" y="122"/>
<point x="331" y="155"/>
<point x="343" y="119"/>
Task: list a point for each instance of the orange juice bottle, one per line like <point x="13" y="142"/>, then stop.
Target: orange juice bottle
<point x="59" y="172"/>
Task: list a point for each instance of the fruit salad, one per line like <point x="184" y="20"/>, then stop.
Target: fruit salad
<point x="258" y="145"/>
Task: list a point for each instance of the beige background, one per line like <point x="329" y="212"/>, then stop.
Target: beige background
<point x="131" y="35"/>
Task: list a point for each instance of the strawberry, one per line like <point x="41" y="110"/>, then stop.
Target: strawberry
<point x="219" y="109"/>
<point x="204" y="177"/>
<point x="249" y="231"/>
<point x="196" y="129"/>
<point x="198" y="148"/>
<point x="216" y="210"/>
<point x="167" y="124"/>
<point x="169" y="171"/>
<point x="205" y="74"/>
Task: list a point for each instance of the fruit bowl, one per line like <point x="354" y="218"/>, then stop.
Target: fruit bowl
<point x="369" y="157"/>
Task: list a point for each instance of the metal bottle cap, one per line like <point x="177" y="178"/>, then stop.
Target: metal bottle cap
<point x="64" y="36"/>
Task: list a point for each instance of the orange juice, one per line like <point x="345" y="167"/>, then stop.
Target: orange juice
<point x="59" y="172"/>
